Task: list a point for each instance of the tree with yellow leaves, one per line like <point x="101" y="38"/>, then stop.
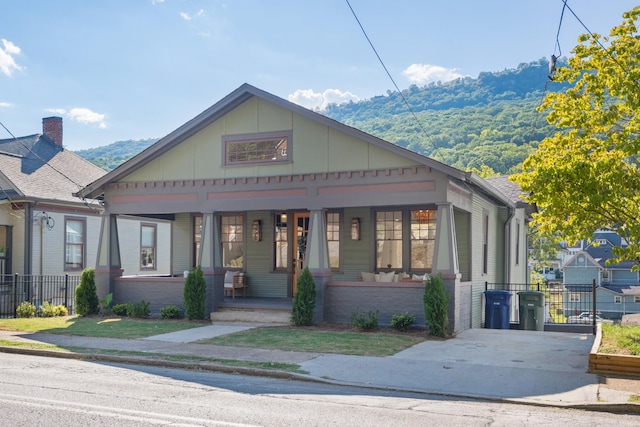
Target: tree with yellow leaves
<point x="586" y="177"/>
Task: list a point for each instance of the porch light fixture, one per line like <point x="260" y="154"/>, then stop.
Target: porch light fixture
<point x="283" y="217"/>
<point x="355" y="229"/>
<point x="256" y="230"/>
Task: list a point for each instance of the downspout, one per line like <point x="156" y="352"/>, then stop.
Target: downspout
<point x="507" y="246"/>
<point x="28" y="239"/>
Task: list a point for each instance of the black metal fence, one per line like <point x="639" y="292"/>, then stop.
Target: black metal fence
<point x="563" y="303"/>
<point x="17" y="288"/>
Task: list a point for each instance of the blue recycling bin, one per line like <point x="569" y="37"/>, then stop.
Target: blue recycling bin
<point x="496" y="309"/>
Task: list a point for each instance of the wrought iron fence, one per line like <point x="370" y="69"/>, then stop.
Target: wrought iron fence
<point x="17" y="288"/>
<point x="563" y="303"/>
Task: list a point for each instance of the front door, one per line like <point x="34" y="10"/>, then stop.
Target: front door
<point x="301" y="228"/>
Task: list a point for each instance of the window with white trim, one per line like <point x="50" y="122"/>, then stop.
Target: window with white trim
<point x="636" y="299"/>
<point x="617" y="299"/>
<point x="574" y="297"/>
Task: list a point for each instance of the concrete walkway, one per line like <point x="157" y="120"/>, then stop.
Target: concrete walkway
<point x="545" y="368"/>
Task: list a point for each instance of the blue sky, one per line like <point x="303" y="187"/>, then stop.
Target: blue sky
<point x="135" y="69"/>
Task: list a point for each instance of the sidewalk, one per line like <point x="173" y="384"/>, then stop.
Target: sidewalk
<point x="544" y="368"/>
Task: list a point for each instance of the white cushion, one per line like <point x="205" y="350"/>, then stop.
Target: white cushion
<point x="228" y="276"/>
<point x="416" y="277"/>
<point x="387" y="277"/>
<point x="367" y="277"/>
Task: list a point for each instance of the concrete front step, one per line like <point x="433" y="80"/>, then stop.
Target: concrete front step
<point x="251" y="315"/>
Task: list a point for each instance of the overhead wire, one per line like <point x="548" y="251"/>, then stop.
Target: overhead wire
<point x="404" y="99"/>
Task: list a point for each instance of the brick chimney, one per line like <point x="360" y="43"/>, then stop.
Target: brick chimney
<point x="52" y="127"/>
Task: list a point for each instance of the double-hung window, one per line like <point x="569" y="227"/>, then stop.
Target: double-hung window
<point x="333" y="239"/>
<point x="232" y="239"/>
<point x="148" y="234"/>
<point x="74" y="244"/>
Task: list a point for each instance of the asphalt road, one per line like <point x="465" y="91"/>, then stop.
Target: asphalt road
<point x="49" y="391"/>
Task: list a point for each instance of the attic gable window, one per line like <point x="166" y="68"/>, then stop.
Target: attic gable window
<point x="272" y="147"/>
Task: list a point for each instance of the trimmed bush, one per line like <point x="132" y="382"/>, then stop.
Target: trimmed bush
<point x="170" y="312"/>
<point x="195" y="294"/>
<point x="47" y="310"/>
<point x="87" y="302"/>
<point x="435" y="306"/>
<point x="26" y="309"/>
<point x="402" y="322"/>
<point x="139" y="310"/>
<point x="60" y="310"/>
<point x="119" y="309"/>
<point x="366" y="321"/>
<point x="304" y="301"/>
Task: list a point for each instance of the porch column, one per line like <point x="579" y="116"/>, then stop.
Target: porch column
<point x="108" y="265"/>
<point x="211" y="261"/>
<point x="445" y="262"/>
<point x="317" y="257"/>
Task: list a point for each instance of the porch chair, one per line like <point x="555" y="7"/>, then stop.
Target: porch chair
<point x="235" y="280"/>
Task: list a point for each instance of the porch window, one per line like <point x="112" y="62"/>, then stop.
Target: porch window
<point x="423" y="234"/>
<point x="197" y="238"/>
<point x="617" y="299"/>
<point x="281" y="245"/>
<point x="257" y="148"/>
<point x="232" y="239"/>
<point x="74" y="244"/>
<point x="148" y="246"/>
<point x="333" y="239"/>
<point x="389" y="239"/>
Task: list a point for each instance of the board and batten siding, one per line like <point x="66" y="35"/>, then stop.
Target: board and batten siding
<point x="356" y="255"/>
<point x="315" y="148"/>
<point x="182" y="243"/>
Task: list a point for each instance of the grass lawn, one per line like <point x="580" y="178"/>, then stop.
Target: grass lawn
<point x="617" y="339"/>
<point x="319" y="340"/>
<point x="97" y="326"/>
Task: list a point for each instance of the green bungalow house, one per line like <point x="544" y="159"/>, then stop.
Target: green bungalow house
<point x="260" y="185"/>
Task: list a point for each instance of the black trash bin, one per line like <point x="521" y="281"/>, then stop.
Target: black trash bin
<point x="496" y="309"/>
<point x="531" y="307"/>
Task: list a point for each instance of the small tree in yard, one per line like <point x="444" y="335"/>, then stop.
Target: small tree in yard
<point x="304" y="300"/>
<point x="194" y="295"/>
<point x="436" y="304"/>
<point x="87" y="302"/>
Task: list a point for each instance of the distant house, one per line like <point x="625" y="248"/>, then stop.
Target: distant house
<point x="259" y="185"/>
<point x="617" y="285"/>
<point x="44" y="228"/>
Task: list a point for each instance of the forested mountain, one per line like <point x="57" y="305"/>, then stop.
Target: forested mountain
<point x="467" y="123"/>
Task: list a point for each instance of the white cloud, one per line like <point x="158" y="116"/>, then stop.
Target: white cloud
<point x="426" y="73"/>
<point x="7" y="62"/>
<point x="319" y="101"/>
<point x="4" y="105"/>
<point x="81" y="115"/>
<point x="157" y="1"/>
<point x="185" y="16"/>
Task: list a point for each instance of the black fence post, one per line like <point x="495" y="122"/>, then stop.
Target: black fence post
<point x="15" y="295"/>
<point x="593" y="293"/>
<point x="66" y="291"/>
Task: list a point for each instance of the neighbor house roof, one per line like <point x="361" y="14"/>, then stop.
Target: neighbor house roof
<point x="36" y="168"/>
<point x="603" y="253"/>
<point x="245" y="93"/>
<point x="624" y="289"/>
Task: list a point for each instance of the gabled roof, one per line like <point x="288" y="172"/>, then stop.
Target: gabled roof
<point x="243" y="94"/>
<point x="592" y="261"/>
<point x="36" y="168"/>
<point x="623" y="289"/>
<point x="604" y="252"/>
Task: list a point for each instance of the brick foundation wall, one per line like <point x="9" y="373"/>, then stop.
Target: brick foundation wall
<point x="158" y="292"/>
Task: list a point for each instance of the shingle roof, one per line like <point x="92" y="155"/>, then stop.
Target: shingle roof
<point x="624" y="289"/>
<point x="509" y="188"/>
<point x="38" y="168"/>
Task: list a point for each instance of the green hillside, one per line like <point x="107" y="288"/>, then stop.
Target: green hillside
<point x="466" y="123"/>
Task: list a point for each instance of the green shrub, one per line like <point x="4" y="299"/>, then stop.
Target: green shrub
<point x="402" y="322"/>
<point x="26" y="309"/>
<point x="195" y="294"/>
<point x="139" y="310"/>
<point x="367" y="321"/>
<point x="119" y="309"/>
<point x="106" y="303"/>
<point x="304" y="301"/>
<point x="169" y="312"/>
<point x="60" y="310"/>
<point x="47" y="310"/>
<point x="87" y="301"/>
<point x="435" y="306"/>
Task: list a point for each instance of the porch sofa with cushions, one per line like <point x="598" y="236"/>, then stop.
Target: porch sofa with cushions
<point x="391" y="277"/>
<point x="235" y="281"/>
